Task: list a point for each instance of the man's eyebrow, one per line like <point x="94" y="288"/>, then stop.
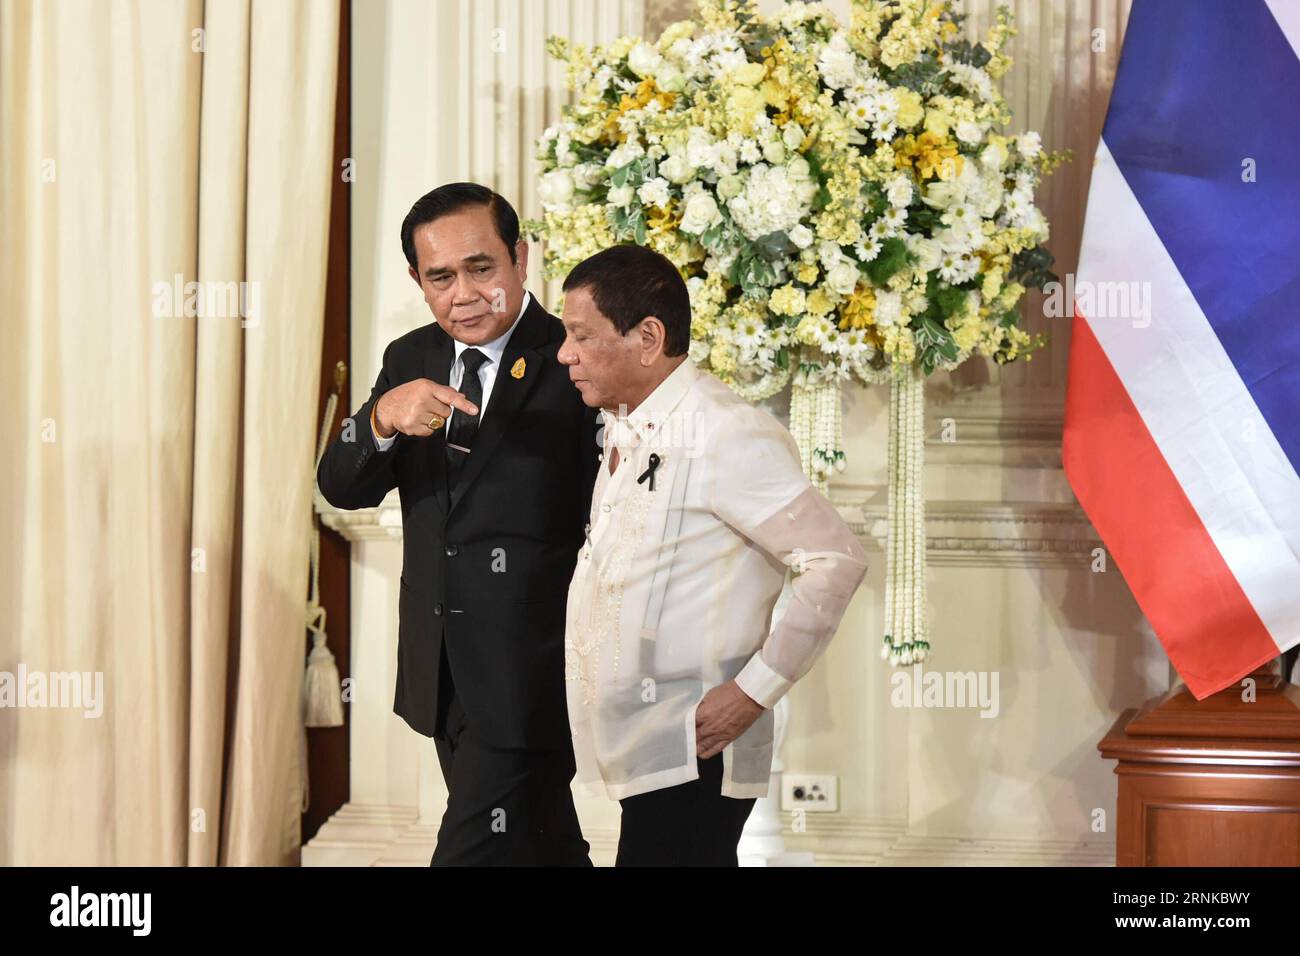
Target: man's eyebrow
<point x="470" y="259"/>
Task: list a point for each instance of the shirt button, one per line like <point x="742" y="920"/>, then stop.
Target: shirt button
<point x="605" y="508"/>
<point x="437" y="609"/>
<point x="452" y="550"/>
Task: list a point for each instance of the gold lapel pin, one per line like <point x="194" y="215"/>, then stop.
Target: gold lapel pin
<point x="517" y="370"/>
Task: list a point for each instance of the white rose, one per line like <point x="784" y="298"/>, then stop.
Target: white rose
<point x="620" y="196"/>
<point x="724" y="159"/>
<point x="774" y="152"/>
<point x="940" y="194"/>
<point x="730" y="186"/>
<point x="676" y="169"/>
<point x="994" y="156"/>
<point x="843" y="277"/>
<point x="988" y="199"/>
<point x="801" y="236"/>
<point x="622" y="155"/>
<point x="969" y="132"/>
<point x="829" y="253"/>
<point x="792" y="135"/>
<point x="670" y="79"/>
<point x="798" y="168"/>
<point x="927" y="253"/>
<point x="556" y="188"/>
<point x="701" y="212"/>
<point x="643" y="60"/>
<point x="654" y="192"/>
<point x="587" y="175"/>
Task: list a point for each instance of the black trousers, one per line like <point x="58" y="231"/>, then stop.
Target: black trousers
<point x="505" y="807"/>
<point x="690" y="824"/>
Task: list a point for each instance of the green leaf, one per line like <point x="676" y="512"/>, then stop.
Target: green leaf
<point x="823" y="196"/>
<point x="891" y="258"/>
<point x="774" y="245"/>
<point x="637" y="221"/>
<point x="965" y="52"/>
<point x="923" y="219"/>
<point x="934" y="336"/>
<point x="917" y="75"/>
<point x="1030" y="267"/>
<point x="950" y="301"/>
<point x="739" y="266"/>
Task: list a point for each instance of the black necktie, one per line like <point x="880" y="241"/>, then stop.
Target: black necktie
<point x="463" y="425"/>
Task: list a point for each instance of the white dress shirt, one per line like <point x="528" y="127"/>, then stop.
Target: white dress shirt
<point x="487" y="372"/>
<point x="675" y="587"/>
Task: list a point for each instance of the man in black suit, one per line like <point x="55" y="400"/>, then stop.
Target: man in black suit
<point x="494" y="454"/>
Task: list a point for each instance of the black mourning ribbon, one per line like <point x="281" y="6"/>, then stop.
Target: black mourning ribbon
<point x="649" y="472"/>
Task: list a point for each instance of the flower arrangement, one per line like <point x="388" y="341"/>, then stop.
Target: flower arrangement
<point x="838" y="198"/>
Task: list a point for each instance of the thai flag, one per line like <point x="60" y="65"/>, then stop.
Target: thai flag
<point x="1182" y="424"/>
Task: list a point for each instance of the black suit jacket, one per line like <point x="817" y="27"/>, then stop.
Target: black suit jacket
<point x="485" y="565"/>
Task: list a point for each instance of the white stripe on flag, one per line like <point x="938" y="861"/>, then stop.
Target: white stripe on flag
<point x="1287" y="15"/>
<point x="1195" y="405"/>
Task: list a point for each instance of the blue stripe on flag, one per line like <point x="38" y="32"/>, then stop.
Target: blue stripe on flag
<point x="1202" y="86"/>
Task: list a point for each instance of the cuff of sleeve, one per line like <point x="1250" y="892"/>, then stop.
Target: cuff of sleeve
<point x="762" y="683"/>
<point x="383" y="444"/>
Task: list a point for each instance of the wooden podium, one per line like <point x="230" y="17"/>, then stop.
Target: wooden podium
<point x="1209" y="783"/>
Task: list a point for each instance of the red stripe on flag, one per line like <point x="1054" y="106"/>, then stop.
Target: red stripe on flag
<point x="1208" y="627"/>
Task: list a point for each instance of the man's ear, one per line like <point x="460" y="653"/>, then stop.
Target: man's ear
<point x="653" y="335"/>
<point x="521" y="259"/>
<point x="414" y="275"/>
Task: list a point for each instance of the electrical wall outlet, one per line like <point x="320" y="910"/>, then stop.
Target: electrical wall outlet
<point x="809" y="791"/>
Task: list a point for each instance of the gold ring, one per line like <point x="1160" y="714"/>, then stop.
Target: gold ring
<point x="436" y="422"/>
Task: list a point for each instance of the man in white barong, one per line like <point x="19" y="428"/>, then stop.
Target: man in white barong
<point x="672" y="660"/>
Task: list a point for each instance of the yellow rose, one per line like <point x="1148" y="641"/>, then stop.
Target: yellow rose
<point x="751" y="74"/>
<point x="744" y="103"/>
<point x="819" y="303"/>
<point x="674" y="32"/>
<point x="937" y="122"/>
<point x="775" y="95"/>
<point x="806" y="331"/>
<point x="910" y="111"/>
<point x="787" y="300"/>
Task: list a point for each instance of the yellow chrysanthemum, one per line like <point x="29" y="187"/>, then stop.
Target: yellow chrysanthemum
<point x="859" y="311"/>
<point x="928" y="156"/>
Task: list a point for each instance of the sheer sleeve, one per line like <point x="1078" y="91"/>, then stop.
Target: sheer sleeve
<point x="760" y="490"/>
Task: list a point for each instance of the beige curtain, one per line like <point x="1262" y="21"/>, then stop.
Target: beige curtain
<point x="157" y="466"/>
